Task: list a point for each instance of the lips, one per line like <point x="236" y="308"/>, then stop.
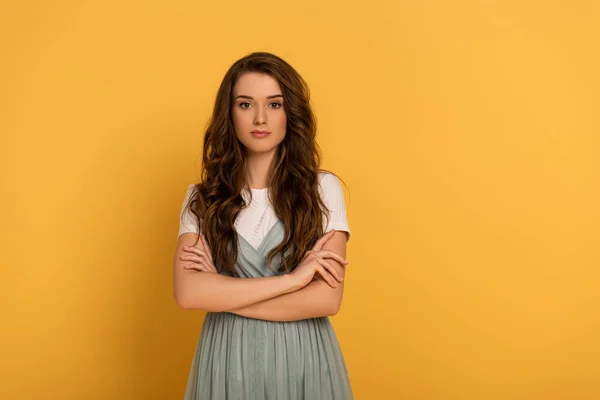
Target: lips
<point x="260" y="134"/>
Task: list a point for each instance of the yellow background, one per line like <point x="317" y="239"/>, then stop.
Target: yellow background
<point x="467" y="132"/>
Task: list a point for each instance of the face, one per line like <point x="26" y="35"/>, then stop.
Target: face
<point x="258" y="105"/>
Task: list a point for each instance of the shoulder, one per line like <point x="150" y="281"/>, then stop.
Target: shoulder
<point x="188" y="220"/>
<point x="328" y="181"/>
<point x="333" y="197"/>
<point x="189" y="194"/>
<point x="330" y="187"/>
<point x="190" y="188"/>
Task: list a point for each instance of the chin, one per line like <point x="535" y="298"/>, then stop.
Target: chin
<point x="260" y="149"/>
<point x="261" y="145"/>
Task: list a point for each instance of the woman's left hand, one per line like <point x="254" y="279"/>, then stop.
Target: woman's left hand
<point x="200" y="256"/>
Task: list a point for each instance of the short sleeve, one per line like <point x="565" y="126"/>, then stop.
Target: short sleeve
<point x="187" y="220"/>
<point x="333" y="197"/>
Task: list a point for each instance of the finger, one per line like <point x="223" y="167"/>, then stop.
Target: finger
<point x="199" y="244"/>
<point x="212" y="267"/>
<point x="332" y="254"/>
<point x="201" y="266"/>
<point x="329" y="254"/>
<point x="324" y="271"/>
<point x="194" y="249"/>
<point x="200" y="259"/>
<point x="195" y="266"/>
<point x="327" y="276"/>
<point x="323" y="239"/>
<point x="308" y="253"/>
<point x="209" y="262"/>
<point x="336" y="270"/>
<point x="337" y="274"/>
<point x="207" y="248"/>
<point x="193" y="257"/>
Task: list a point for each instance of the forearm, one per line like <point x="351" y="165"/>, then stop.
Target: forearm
<point x="196" y="290"/>
<point x="317" y="299"/>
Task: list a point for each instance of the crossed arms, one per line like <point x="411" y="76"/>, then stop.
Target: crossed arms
<point x="275" y="298"/>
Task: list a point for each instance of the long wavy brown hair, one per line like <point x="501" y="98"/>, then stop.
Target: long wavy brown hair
<point x="293" y="179"/>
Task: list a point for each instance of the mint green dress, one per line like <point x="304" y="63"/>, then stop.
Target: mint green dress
<point x="251" y="359"/>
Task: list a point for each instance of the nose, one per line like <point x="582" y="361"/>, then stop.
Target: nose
<point x="260" y="116"/>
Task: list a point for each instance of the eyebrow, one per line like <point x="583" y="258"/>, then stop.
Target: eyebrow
<point x="243" y="96"/>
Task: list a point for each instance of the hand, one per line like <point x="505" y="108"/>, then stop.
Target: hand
<point x="314" y="262"/>
<point x="201" y="256"/>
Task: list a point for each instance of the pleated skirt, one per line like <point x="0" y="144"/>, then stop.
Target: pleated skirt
<point x="250" y="359"/>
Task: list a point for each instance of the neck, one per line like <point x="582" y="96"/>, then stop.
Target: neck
<point x="258" y="167"/>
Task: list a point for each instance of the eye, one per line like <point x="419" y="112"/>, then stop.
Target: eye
<point x="242" y="104"/>
<point x="277" y="103"/>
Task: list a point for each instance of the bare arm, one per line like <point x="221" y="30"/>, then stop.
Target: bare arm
<point x="317" y="299"/>
<point x="195" y="290"/>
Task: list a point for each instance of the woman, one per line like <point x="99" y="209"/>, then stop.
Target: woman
<point x="252" y="248"/>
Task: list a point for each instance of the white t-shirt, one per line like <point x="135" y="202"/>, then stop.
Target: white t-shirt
<point x="254" y="222"/>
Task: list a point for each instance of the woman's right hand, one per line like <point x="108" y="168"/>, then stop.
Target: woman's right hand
<point x="315" y="262"/>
